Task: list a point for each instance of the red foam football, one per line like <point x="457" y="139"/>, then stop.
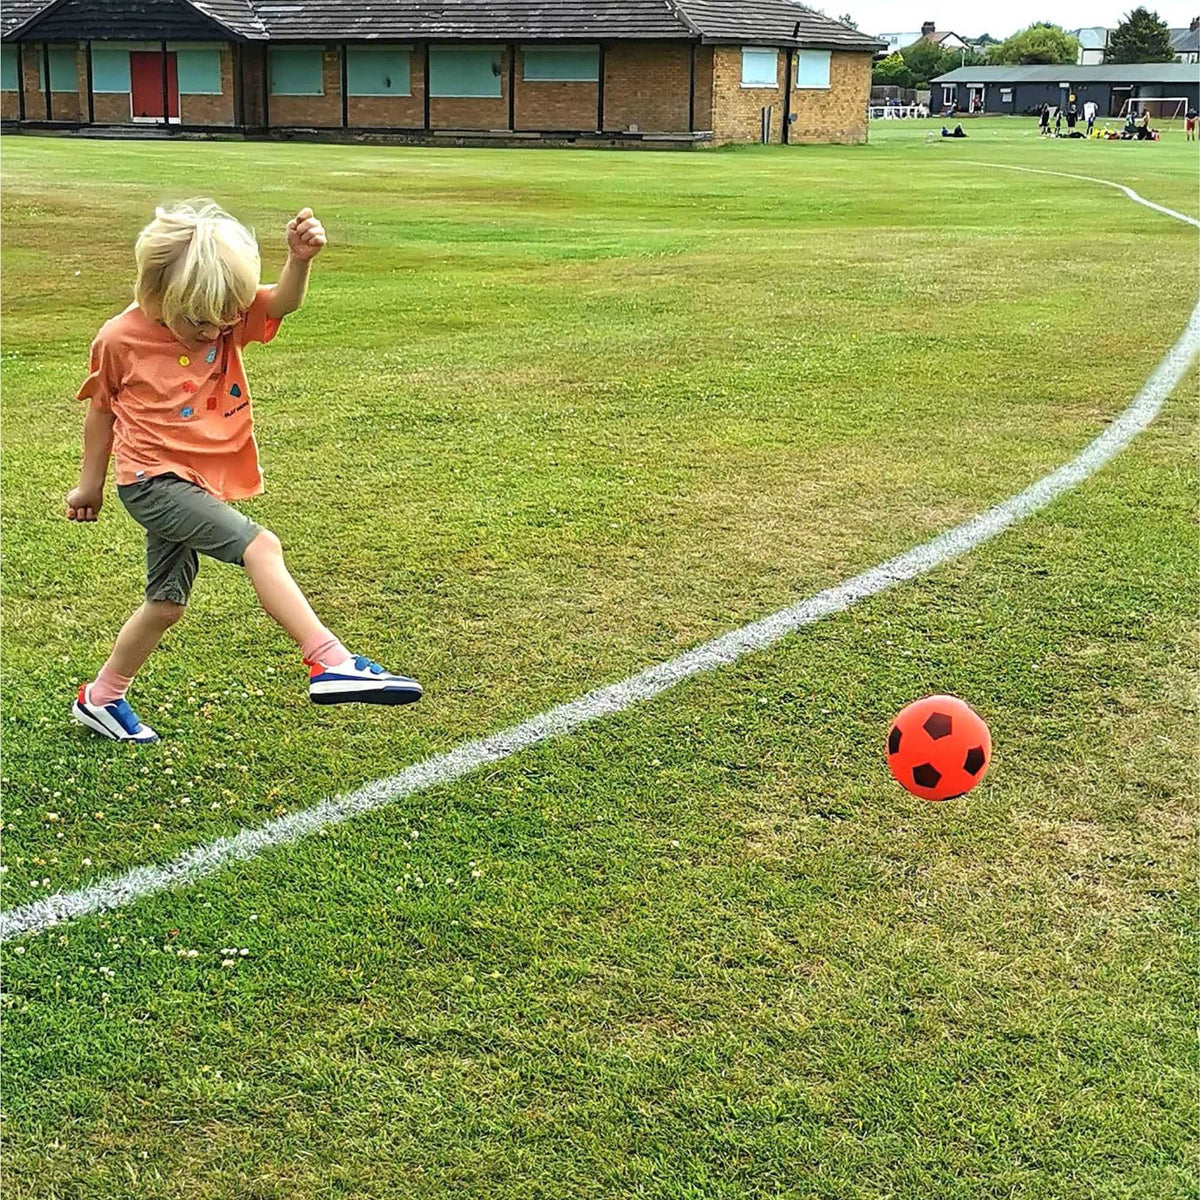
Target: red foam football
<point x="939" y="748"/>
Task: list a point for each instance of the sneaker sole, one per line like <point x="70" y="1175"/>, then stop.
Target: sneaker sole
<point x="81" y="717"/>
<point x="390" y="696"/>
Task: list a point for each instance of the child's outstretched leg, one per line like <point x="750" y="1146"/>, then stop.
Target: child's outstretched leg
<point x="337" y="677"/>
<point x="101" y="705"/>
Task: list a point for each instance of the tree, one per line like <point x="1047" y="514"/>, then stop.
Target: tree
<point x="1042" y="42"/>
<point x="1140" y="38"/>
<point x="892" y="72"/>
<point x="847" y="19"/>
<point x="926" y="60"/>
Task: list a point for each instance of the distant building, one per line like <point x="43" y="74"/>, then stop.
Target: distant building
<point x="1024" y="89"/>
<point x="612" y="72"/>
<point x="1186" y="42"/>
<point x="1093" y="44"/>
<point x="897" y="41"/>
<point x="927" y="33"/>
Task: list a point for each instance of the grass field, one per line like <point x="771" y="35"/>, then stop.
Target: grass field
<point x="548" y="418"/>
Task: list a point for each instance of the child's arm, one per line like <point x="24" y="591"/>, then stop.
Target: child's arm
<point x="305" y="238"/>
<point x="84" y="502"/>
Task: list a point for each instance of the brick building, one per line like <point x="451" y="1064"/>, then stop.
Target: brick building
<point x="678" y="72"/>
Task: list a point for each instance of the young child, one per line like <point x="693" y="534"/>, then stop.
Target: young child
<point x="169" y="402"/>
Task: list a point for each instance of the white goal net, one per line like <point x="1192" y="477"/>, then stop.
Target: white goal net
<point x="1160" y="108"/>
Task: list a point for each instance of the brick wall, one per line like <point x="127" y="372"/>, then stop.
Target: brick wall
<point x="544" y="105"/>
<point x="473" y="112"/>
<point x="211" y="110"/>
<point x="399" y="112"/>
<point x="646" y="84"/>
<point x="837" y="113"/>
<point x="65" y="106"/>
<point x="314" y="111"/>
<point x="112" y="108"/>
<point x="737" y="110"/>
<point x="703" y="111"/>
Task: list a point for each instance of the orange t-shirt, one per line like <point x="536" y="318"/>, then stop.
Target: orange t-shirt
<point x="180" y="411"/>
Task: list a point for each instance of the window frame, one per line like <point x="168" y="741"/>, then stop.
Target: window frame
<point x="814" y="87"/>
<point x="398" y="49"/>
<point x="541" y="49"/>
<point x="774" y="86"/>
<point x="58" y="52"/>
<point x="497" y="54"/>
<point x="192" y="51"/>
<point x="272" y="51"/>
<point x="8" y="55"/>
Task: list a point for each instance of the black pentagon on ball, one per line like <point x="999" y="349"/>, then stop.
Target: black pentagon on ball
<point x="894" y="740"/>
<point x="926" y="775"/>
<point x="937" y="725"/>
<point x="974" y="760"/>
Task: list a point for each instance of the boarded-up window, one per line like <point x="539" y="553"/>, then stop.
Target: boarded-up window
<point x="474" y="71"/>
<point x="297" y="71"/>
<point x="377" y="71"/>
<point x="562" y="64"/>
<point x="110" y="70"/>
<point x="8" y="68"/>
<point x="64" y="77"/>
<point x="1006" y="96"/>
<point x="812" y="69"/>
<point x="760" y="67"/>
<point x="199" y="72"/>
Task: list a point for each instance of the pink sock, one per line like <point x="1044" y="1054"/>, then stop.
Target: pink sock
<point x="109" y="686"/>
<point x="322" y="647"/>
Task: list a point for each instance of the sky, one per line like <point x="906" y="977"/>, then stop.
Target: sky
<point x="972" y="19"/>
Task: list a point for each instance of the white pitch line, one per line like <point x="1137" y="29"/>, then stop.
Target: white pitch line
<point x="119" y="890"/>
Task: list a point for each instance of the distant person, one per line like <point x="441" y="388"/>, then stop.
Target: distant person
<point x="1044" y="121"/>
<point x="1072" y="117"/>
<point x="1189" y="125"/>
<point x="959" y="132"/>
<point x="1058" y="122"/>
<point x="1089" y="115"/>
<point x="1143" y="127"/>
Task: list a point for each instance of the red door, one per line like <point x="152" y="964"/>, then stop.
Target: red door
<point x="145" y="74"/>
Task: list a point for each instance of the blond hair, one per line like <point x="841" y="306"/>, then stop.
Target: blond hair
<point x="196" y="265"/>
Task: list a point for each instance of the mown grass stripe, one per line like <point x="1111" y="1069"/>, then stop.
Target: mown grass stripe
<point x="119" y="890"/>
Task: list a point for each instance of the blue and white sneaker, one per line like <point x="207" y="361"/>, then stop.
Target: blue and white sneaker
<point x="117" y="722"/>
<point x="360" y="681"/>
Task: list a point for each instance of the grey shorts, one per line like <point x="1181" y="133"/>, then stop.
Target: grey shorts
<point x="183" y="521"/>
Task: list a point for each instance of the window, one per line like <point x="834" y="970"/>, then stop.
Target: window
<point x="199" y="72"/>
<point x="63" y="74"/>
<point x="812" y="69"/>
<point x="760" y="68"/>
<point x="949" y="93"/>
<point x="1006" y="95"/>
<point x="467" y="72"/>
<point x="562" y="64"/>
<point x="8" y="68"/>
<point x="110" y="70"/>
<point x="297" y="71"/>
<point x="377" y="71"/>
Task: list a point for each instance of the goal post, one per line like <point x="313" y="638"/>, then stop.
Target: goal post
<point x="1160" y="108"/>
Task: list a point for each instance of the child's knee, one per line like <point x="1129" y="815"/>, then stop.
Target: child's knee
<point x="165" y="612"/>
<point x="265" y="546"/>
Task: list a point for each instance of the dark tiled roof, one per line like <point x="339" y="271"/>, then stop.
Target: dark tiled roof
<point x="14" y="13"/>
<point x="775" y="22"/>
<point x="499" y="20"/>
<point x="238" y="15"/>
<point x="772" y="21"/>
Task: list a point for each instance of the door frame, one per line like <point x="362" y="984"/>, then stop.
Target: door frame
<point x="158" y="120"/>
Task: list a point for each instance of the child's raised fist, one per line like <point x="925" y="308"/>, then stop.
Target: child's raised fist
<point x="305" y="235"/>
